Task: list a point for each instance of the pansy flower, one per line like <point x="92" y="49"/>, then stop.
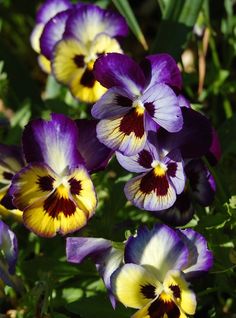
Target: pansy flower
<point x="158" y="265"/>
<point x="162" y="176"/>
<point x="90" y="32"/>
<point x="139" y="99"/>
<point x="54" y="191"/>
<point x="47" y="12"/>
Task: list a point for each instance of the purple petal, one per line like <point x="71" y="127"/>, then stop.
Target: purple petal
<point x="11" y="161"/>
<point x="95" y="154"/>
<point x="201" y="181"/>
<point x="138" y="163"/>
<point x="90" y="20"/>
<point x="200" y="258"/>
<point x="214" y="154"/>
<point x="114" y="102"/>
<point x="194" y="139"/>
<point x="8" y="244"/>
<point x="78" y="248"/>
<point x="114" y="69"/>
<point x="165" y="110"/>
<point x="180" y="213"/>
<point x="183" y="102"/>
<point x="53" y="32"/>
<point x="162" y="68"/>
<point x="160" y="247"/>
<point x="50" y="8"/>
<point x="53" y="142"/>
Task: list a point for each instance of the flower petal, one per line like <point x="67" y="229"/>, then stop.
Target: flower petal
<point x="134" y="286"/>
<point x="35" y="36"/>
<point x="150" y="192"/>
<point x="123" y="133"/>
<point x="138" y="163"/>
<point x="160" y="247"/>
<point x="200" y="258"/>
<point x="90" y="20"/>
<point x="53" y="32"/>
<point x="53" y="142"/>
<point x="95" y="154"/>
<point x="162" y="105"/>
<point x="50" y="8"/>
<point x="115" y="69"/>
<point x="163" y="69"/>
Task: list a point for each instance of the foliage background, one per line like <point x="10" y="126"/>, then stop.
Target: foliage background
<point x="201" y="35"/>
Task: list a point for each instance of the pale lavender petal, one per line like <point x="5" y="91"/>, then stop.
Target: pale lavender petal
<point x="138" y="163"/>
<point x="162" y="68"/>
<point x="90" y="20"/>
<point x="8" y="244"/>
<point x="53" y="32"/>
<point x="161" y="103"/>
<point x="95" y="154"/>
<point x="183" y="102"/>
<point x="200" y="258"/>
<point x="114" y="69"/>
<point x="160" y="247"/>
<point x="54" y="142"/>
<point x="115" y="101"/>
<point x="50" y="8"/>
<point x="78" y="248"/>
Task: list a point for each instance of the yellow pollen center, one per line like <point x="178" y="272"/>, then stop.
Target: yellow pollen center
<point x="139" y="108"/>
<point x="90" y="65"/>
<point x="159" y="168"/>
<point x="165" y="297"/>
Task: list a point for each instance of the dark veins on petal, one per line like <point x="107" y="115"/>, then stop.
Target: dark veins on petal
<point x="176" y="291"/>
<point x="172" y="168"/>
<point x="123" y="101"/>
<point x="75" y="186"/>
<point x="145" y="159"/>
<point x="132" y="122"/>
<point x="79" y="61"/>
<point x="150" y="108"/>
<point x="45" y="183"/>
<point x="88" y="79"/>
<point x="150" y="182"/>
<point x="148" y="291"/>
<point x="55" y="204"/>
<point x="7" y="175"/>
<point x="160" y="307"/>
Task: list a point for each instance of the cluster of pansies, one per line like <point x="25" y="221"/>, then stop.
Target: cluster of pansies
<point x="142" y="118"/>
<point x="70" y="37"/>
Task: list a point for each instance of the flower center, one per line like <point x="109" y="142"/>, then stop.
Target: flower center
<point x="159" y="168"/>
<point x="139" y="107"/>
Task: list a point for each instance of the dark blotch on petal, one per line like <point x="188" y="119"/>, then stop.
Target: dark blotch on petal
<point x="7" y="175"/>
<point x="148" y="291"/>
<point x="176" y="291"/>
<point x="79" y="61"/>
<point x="150" y="108"/>
<point x="54" y="204"/>
<point x="88" y="79"/>
<point x="45" y="183"/>
<point x="150" y="182"/>
<point x="123" y="101"/>
<point x="75" y="186"/>
<point x="132" y="122"/>
<point x="160" y="307"/>
<point x="172" y="168"/>
<point x="145" y="159"/>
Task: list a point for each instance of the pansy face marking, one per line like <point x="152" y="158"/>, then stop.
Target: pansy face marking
<point x="55" y="191"/>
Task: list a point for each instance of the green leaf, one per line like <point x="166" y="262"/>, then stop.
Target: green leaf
<point x="125" y="9"/>
<point x="179" y="18"/>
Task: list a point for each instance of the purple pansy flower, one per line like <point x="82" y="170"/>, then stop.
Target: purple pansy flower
<point x="161" y="180"/>
<point x="158" y="263"/>
<point x="139" y="99"/>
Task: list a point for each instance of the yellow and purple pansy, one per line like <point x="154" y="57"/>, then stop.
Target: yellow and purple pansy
<point x="139" y="98"/>
<point x="55" y="191"/>
<point x="90" y="31"/>
<point x="150" y="271"/>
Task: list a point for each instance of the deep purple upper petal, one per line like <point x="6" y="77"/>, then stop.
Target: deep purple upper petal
<point x="53" y="32"/>
<point x="53" y="142"/>
<point x="200" y="258"/>
<point x="95" y="154"/>
<point x="50" y="8"/>
<point x="193" y="140"/>
<point x="11" y="157"/>
<point x="114" y="69"/>
<point x="214" y="153"/>
<point x="90" y="20"/>
<point x="162" y="68"/>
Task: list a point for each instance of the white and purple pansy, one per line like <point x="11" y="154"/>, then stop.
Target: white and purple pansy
<point x="139" y="99"/>
<point x="106" y="257"/>
<point x="157" y="266"/>
<point x="162" y="176"/>
<point x="54" y="191"/>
